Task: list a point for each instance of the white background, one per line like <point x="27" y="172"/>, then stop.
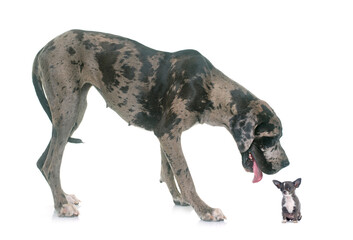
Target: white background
<point x="296" y="55"/>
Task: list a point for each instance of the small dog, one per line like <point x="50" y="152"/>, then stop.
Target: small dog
<point x="290" y="201"/>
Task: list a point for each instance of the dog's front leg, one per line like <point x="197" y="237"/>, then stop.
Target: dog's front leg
<point x="167" y="176"/>
<point x="175" y="157"/>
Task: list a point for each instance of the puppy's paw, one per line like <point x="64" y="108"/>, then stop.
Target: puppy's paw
<point x="214" y="215"/>
<point x="72" y="199"/>
<point x="68" y="210"/>
<point x="284" y="221"/>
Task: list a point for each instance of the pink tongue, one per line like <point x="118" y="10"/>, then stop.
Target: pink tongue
<point x="257" y="173"/>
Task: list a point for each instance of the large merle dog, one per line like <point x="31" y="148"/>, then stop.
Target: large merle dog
<point x="166" y="93"/>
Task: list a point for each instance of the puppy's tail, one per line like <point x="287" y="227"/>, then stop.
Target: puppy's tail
<point x="42" y="98"/>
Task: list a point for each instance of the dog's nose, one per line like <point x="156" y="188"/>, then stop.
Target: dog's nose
<point x="284" y="163"/>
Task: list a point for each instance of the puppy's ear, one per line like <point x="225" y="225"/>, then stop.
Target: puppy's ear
<point x="277" y="183"/>
<point x="297" y="182"/>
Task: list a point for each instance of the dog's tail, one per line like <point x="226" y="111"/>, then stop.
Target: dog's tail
<point x="41" y="96"/>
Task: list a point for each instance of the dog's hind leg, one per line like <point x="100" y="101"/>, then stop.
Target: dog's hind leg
<point x="67" y="112"/>
<point x="167" y="176"/>
<point x="50" y="168"/>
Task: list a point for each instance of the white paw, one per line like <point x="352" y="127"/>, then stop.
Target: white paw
<point x="284" y="221"/>
<point x="215" y="216"/>
<point x="68" y="210"/>
<point x="71" y="198"/>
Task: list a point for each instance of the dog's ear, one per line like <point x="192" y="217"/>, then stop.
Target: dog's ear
<point x="277" y="183"/>
<point x="269" y="124"/>
<point x="297" y="182"/>
<point x="243" y="131"/>
<point x="259" y="121"/>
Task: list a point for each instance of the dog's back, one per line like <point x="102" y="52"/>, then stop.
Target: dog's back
<point x="134" y="80"/>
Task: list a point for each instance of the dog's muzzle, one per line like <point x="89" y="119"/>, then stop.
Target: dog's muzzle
<point x="269" y="161"/>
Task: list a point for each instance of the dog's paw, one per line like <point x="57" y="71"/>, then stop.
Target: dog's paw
<point x="215" y="215"/>
<point x="284" y="221"/>
<point x="180" y="201"/>
<point x="68" y="210"/>
<point x="72" y="199"/>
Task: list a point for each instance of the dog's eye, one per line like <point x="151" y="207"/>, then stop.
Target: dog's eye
<point x="267" y="142"/>
<point x="262" y="128"/>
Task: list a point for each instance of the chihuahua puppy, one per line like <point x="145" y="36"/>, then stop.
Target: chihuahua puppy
<point x="290" y="201"/>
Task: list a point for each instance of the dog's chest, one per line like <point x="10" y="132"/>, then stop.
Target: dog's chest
<point x="289" y="203"/>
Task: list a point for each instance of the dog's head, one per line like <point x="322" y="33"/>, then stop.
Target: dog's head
<point x="288" y="188"/>
<point x="257" y="132"/>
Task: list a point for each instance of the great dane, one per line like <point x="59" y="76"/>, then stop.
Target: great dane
<point x="163" y="92"/>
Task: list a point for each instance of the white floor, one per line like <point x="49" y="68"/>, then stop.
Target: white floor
<point x="296" y="55"/>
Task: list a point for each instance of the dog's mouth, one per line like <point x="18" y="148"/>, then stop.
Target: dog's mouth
<point x="254" y="161"/>
<point x="256" y="170"/>
<point x="250" y="164"/>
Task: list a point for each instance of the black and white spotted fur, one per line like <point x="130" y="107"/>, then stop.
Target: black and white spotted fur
<point x="163" y="92"/>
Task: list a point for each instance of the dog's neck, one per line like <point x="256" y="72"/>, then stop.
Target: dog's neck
<point x="225" y="106"/>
